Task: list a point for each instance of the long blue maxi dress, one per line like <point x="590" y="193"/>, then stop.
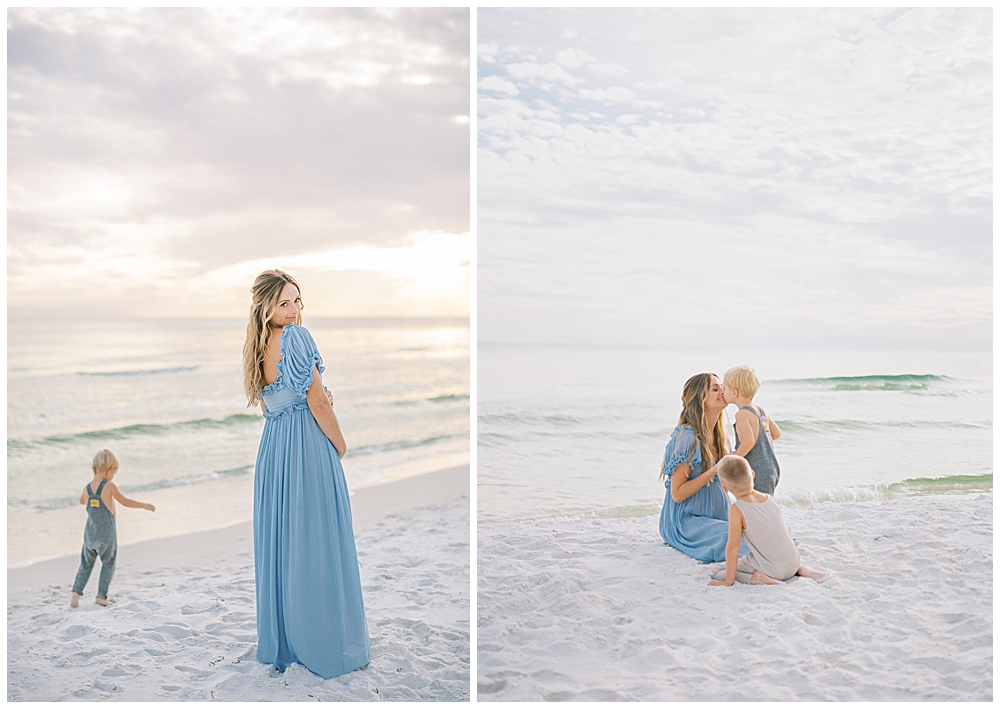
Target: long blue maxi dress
<point x="309" y="605"/>
<point x="698" y="526"/>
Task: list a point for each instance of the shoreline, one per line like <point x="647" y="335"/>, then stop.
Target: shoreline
<point x="796" y="498"/>
<point x="181" y="625"/>
<point x="368" y="505"/>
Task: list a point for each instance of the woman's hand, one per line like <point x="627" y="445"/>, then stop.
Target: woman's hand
<point x="720" y="583"/>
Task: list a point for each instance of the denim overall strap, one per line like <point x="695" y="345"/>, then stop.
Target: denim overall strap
<point x="96" y="495"/>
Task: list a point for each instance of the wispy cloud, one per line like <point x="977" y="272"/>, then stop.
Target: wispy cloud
<point x="793" y="175"/>
<point x="154" y="147"/>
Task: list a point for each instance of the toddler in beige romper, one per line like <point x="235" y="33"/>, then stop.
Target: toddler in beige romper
<point x="756" y="518"/>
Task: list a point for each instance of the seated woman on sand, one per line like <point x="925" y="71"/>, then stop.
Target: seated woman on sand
<point x="695" y="515"/>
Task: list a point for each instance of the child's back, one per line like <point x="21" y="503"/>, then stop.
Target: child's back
<point x="100" y="536"/>
<point x="772" y="551"/>
<point x="100" y="530"/>
<point x="100" y="539"/>
<point x="761" y="457"/>
<point x="755" y="518"/>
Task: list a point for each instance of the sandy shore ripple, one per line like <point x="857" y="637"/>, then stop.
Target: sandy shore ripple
<point x="186" y="630"/>
<point x="602" y="610"/>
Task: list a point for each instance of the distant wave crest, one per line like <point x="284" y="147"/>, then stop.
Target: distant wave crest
<point x="138" y="372"/>
<point x="64" y="502"/>
<point x="402" y="445"/>
<point x="443" y="399"/>
<point x="951" y="484"/>
<point x="870" y="382"/>
<point x="138" y="429"/>
<point x="860" y="424"/>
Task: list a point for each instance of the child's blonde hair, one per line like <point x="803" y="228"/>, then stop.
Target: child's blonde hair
<point x="743" y="379"/>
<point x="734" y="472"/>
<point x="104" y="460"/>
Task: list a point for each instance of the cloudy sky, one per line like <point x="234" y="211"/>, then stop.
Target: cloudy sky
<point x="774" y="177"/>
<point x="158" y="159"/>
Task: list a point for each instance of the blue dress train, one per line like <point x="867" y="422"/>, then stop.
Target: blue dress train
<point x="698" y="526"/>
<point x="309" y="605"/>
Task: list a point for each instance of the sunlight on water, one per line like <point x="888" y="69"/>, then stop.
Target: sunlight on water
<point x="166" y="396"/>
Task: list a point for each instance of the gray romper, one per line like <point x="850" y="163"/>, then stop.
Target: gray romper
<point x="772" y="551"/>
<point x="761" y="457"/>
<point x="100" y="538"/>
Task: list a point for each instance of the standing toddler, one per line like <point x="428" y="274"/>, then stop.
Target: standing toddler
<point x="755" y="432"/>
<point x="100" y="537"/>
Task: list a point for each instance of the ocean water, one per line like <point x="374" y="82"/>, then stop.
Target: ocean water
<point x="166" y="397"/>
<point x="581" y="431"/>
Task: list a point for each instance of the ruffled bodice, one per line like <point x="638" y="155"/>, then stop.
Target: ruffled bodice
<point x="699" y="525"/>
<point x="297" y="355"/>
<point x="679" y="448"/>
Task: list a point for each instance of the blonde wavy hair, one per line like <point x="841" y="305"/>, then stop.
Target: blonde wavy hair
<point x="711" y="437"/>
<point x="104" y="460"/>
<point x="744" y="379"/>
<point x="266" y="291"/>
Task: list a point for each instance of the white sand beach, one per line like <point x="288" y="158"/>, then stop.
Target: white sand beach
<point x="601" y="609"/>
<point x="182" y="623"/>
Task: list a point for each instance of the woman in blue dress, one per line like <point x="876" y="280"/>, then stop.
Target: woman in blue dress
<point x="695" y="515"/>
<point x="309" y="605"/>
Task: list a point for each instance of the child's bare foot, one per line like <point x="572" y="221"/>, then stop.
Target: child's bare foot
<point x="759" y="578"/>
<point x="101" y="601"/>
<point x="814" y="575"/>
<point x="74" y="602"/>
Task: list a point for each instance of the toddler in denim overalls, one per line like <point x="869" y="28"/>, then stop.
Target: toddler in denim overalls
<point x="100" y="537"/>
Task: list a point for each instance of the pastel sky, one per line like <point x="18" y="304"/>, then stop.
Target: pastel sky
<point x="769" y="177"/>
<point x="158" y="159"/>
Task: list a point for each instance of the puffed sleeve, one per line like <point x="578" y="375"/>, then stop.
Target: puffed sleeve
<point x="679" y="451"/>
<point x="299" y="357"/>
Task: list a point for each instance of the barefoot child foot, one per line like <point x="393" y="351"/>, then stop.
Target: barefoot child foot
<point x="100" y="538"/>
<point x="756" y="519"/>
<point x="814" y="575"/>
<point x="762" y="580"/>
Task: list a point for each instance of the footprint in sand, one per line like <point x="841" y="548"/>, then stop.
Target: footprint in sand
<point x="112" y="687"/>
<point x="75" y="631"/>
<point x="175" y="632"/>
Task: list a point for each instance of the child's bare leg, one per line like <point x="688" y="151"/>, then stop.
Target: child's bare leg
<point x="759" y="578"/>
<point x="814" y="575"/>
<point x="74" y="602"/>
<point x="101" y="601"/>
<point x="741" y="576"/>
